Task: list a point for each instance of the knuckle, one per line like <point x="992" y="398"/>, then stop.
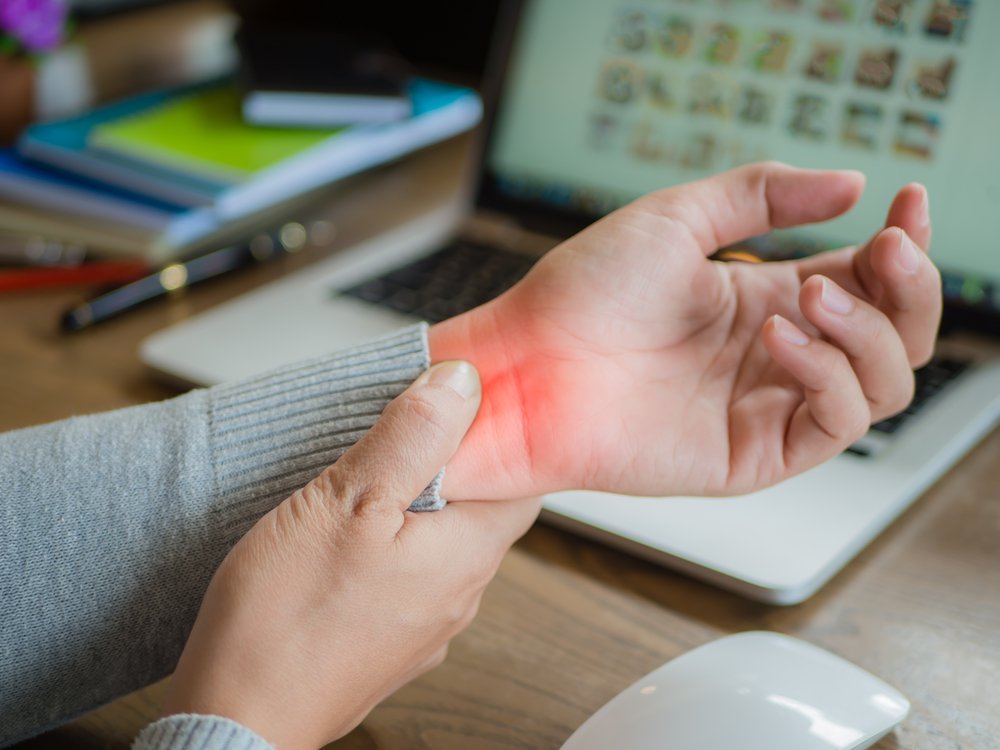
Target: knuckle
<point x="936" y="280"/>
<point x="763" y="169"/>
<point x="932" y="274"/>
<point x="860" y="424"/>
<point x="904" y="394"/>
<point x="869" y="329"/>
<point x="854" y="422"/>
<point x="922" y="354"/>
<point x="462" y="610"/>
<point x="471" y="612"/>
<point x="482" y="561"/>
<point x="302" y="507"/>
<point x="457" y="615"/>
<point x="878" y="332"/>
<point x="484" y="571"/>
<point x="855" y="416"/>
<point x="812" y="283"/>
<point x="839" y="364"/>
<point x="328" y="486"/>
<point x="316" y="507"/>
<point x="762" y="172"/>
<point x="438" y="657"/>
<point x="830" y="369"/>
<point x="491" y="563"/>
<point x="857" y="419"/>
<point x="758" y="176"/>
<point x="366" y="503"/>
<point x="333" y="490"/>
<point x="343" y="494"/>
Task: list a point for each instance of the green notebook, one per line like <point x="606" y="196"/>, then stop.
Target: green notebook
<point x="191" y="147"/>
<point x="204" y="134"/>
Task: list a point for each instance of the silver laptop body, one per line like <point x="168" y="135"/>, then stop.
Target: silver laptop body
<point x="691" y="76"/>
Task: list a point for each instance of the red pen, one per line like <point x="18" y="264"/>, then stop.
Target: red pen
<point x="92" y="272"/>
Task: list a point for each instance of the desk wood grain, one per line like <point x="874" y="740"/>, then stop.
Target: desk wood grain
<point x="568" y="623"/>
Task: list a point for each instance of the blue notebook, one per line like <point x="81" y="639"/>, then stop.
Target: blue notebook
<point x="439" y="111"/>
<point x="63" y="144"/>
<point x="167" y="226"/>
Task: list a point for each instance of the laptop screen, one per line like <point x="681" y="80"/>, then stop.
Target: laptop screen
<point x="605" y="100"/>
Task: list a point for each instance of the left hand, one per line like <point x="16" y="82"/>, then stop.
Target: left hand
<point x="627" y="361"/>
<point x="339" y="595"/>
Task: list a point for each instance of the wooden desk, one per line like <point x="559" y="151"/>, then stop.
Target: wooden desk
<point x="567" y="624"/>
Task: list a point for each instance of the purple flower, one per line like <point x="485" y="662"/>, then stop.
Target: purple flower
<point x="36" y="24"/>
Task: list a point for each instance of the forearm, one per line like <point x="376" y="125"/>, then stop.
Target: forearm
<point x="112" y="525"/>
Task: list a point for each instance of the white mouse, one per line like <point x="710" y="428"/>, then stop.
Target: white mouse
<point x="750" y="691"/>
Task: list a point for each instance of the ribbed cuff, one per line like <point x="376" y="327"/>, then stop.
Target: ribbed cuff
<point x="272" y="434"/>
<point x="197" y="732"/>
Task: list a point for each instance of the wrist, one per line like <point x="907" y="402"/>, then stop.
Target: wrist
<point x="258" y="711"/>
<point x="494" y="460"/>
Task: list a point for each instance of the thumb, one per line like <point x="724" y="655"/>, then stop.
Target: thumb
<point x="414" y="438"/>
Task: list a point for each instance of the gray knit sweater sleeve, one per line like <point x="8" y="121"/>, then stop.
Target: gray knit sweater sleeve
<point x="112" y="525"/>
<point x="195" y="732"/>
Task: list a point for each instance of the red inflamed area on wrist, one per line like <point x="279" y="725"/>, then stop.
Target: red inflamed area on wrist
<point x="495" y="458"/>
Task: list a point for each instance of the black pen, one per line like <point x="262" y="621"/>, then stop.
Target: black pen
<point x="290" y="238"/>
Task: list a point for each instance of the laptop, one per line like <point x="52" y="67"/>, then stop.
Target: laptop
<point x="595" y="103"/>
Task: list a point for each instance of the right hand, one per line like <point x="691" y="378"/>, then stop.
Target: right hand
<point x="628" y="361"/>
<point x="339" y="596"/>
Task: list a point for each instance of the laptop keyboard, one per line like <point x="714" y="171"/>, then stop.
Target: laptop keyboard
<point x="464" y="275"/>
<point x="453" y="280"/>
<point x="930" y="379"/>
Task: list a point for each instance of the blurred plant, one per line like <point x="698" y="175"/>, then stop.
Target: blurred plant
<point x="32" y="27"/>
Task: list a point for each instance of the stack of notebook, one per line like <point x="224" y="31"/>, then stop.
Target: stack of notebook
<point x="167" y="172"/>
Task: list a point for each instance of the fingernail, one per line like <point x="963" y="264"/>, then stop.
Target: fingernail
<point x="458" y="375"/>
<point x="925" y="209"/>
<point x="789" y="332"/>
<point x="835" y="299"/>
<point x="906" y="254"/>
